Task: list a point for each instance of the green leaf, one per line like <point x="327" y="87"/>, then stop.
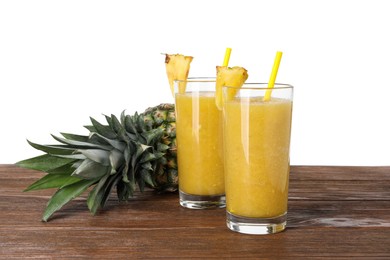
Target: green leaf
<point x="121" y="191"/>
<point x="77" y="164"/>
<point x="132" y="137"/>
<point x="104" y="130"/>
<point x="127" y="157"/>
<point x="64" y="195"/>
<point x="116" y="159"/>
<point x="44" y="162"/>
<point x="141" y="184"/>
<point x="129" y="125"/>
<point x="51" y="149"/>
<point x="90" y="128"/>
<point x="153" y="135"/>
<point x="67" y="169"/>
<point x="114" y="143"/>
<point x="80" y="145"/>
<point x="147" y="157"/>
<point x="147" y="166"/>
<point x="116" y="125"/>
<point x="96" y="195"/>
<point x="162" y="147"/>
<point x="144" y="147"/>
<point x="95" y="139"/>
<point x="81" y="138"/>
<point x="96" y="155"/>
<point x="123" y="117"/>
<point x="140" y="149"/>
<point x="52" y="181"/>
<point x="99" y="195"/>
<point x="125" y="176"/>
<point x="122" y="135"/>
<point x="70" y="181"/>
<point x="147" y="177"/>
<point x="124" y="191"/>
<point x="135" y="156"/>
<point x="91" y="170"/>
<point x="109" y="121"/>
<point x="158" y="155"/>
<point x="140" y="122"/>
<point x="76" y="156"/>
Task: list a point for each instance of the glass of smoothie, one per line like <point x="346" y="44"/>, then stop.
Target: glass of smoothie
<point x="199" y="144"/>
<point x="256" y="157"/>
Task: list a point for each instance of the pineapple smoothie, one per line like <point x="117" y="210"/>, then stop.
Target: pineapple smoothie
<point x="199" y="144"/>
<point x="257" y="140"/>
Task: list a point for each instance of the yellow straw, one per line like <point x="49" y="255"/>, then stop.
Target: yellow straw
<point x="227" y="57"/>
<point x="272" y="78"/>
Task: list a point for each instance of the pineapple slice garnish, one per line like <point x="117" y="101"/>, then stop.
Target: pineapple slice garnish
<point x="232" y="77"/>
<point x="178" y="67"/>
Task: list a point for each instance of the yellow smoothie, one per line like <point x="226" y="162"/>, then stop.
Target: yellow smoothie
<point x="257" y="156"/>
<point x="199" y="144"/>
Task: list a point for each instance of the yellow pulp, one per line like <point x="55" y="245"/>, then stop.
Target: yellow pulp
<point x="257" y="141"/>
<point x="199" y="144"/>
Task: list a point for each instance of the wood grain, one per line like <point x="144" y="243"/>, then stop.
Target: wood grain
<point x="334" y="212"/>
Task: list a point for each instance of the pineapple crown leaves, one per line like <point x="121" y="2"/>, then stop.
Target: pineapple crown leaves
<point x="124" y="153"/>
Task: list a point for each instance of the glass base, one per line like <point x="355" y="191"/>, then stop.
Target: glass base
<point x="202" y="201"/>
<point x="256" y="226"/>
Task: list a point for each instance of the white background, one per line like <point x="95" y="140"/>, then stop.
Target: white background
<point x="63" y="61"/>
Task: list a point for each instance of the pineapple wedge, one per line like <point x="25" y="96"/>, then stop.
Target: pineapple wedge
<point x="178" y="67"/>
<point x="226" y="76"/>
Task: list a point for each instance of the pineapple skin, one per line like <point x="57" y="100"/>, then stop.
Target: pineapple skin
<point x="163" y="116"/>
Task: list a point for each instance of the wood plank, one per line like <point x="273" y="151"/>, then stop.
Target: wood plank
<point x="316" y="173"/>
<point x="154" y="213"/>
<point x="339" y="190"/>
<point x="321" y="182"/>
<point x="183" y="242"/>
<point x="334" y="212"/>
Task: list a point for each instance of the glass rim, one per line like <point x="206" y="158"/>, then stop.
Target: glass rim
<point x="259" y="86"/>
<point x="247" y="85"/>
<point x="197" y="79"/>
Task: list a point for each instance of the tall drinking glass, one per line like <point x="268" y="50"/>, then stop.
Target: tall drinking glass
<point x="199" y="144"/>
<point x="256" y="156"/>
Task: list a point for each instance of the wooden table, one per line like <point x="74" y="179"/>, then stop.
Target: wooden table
<point x="333" y="212"/>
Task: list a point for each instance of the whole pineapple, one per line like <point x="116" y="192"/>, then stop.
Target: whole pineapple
<point x="126" y="153"/>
